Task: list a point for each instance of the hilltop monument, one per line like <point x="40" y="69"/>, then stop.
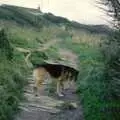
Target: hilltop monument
<point x="39" y="8"/>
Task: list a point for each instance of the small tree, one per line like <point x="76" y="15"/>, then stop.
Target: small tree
<point x="5" y="46"/>
<point x="113" y="63"/>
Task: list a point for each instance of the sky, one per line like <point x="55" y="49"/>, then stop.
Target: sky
<point x="82" y="11"/>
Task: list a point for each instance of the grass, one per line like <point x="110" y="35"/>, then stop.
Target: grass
<point x="12" y="80"/>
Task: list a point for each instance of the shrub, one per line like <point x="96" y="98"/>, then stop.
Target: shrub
<point x="5" y="47"/>
<point x="11" y="78"/>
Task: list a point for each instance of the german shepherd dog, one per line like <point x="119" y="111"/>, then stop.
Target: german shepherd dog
<point x="60" y="72"/>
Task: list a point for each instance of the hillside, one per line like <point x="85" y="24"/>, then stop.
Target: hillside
<point x="38" y="28"/>
<point x="34" y="17"/>
<point x="44" y="35"/>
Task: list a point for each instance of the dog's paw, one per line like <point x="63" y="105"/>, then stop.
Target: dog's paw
<point x="36" y="95"/>
<point x="60" y="94"/>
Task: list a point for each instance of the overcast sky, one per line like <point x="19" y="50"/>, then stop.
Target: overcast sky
<point x="83" y="11"/>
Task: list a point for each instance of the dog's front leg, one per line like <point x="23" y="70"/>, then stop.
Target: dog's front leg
<point x="58" y="88"/>
<point x="62" y="86"/>
<point x="35" y="90"/>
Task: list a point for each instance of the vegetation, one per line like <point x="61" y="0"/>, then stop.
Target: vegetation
<point x="5" y="47"/>
<point x="11" y="79"/>
<point x="26" y="29"/>
<point x="111" y="53"/>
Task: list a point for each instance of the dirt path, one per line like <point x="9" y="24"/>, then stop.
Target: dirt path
<point x="48" y="44"/>
<point x="46" y="107"/>
<point x="42" y="48"/>
<point x="69" y="113"/>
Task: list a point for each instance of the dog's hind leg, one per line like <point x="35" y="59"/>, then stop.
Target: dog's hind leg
<point x="35" y="90"/>
<point x="59" y="88"/>
<point x="62" y="85"/>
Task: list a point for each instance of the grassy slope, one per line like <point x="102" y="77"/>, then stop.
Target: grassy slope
<point x="29" y="29"/>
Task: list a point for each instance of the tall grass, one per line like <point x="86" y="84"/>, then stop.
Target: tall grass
<point x="11" y="82"/>
<point x="111" y="50"/>
<point x="12" y="79"/>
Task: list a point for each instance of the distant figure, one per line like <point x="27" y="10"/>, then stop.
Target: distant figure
<point x="39" y="8"/>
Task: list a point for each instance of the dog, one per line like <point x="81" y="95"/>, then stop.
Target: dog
<point x="59" y="72"/>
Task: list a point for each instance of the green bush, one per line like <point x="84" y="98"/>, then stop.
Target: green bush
<point x="12" y="69"/>
<point x="5" y="47"/>
<point x="11" y="84"/>
<point x="111" y="52"/>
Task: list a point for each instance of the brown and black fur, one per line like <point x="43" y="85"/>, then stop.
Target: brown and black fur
<point x="60" y="72"/>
